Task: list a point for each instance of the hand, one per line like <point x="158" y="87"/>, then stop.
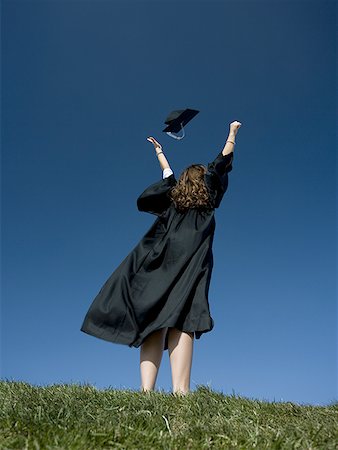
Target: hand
<point x="234" y="126"/>
<point x="154" y="141"/>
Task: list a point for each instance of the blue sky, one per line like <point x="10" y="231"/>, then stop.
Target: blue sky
<point x="83" y="85"/>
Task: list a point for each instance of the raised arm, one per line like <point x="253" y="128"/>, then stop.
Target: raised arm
<point x="162" y="159"/>
<point x="160" y="155"/>
<point x="230" y="142"/>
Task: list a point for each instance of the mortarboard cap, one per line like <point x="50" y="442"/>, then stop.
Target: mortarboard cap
<point x="176" y="121"/>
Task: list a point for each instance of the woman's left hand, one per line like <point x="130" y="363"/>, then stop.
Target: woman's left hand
<point x="154" y="141"/>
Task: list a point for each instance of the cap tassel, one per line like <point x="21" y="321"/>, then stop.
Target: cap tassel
<point x="174" y="136"/>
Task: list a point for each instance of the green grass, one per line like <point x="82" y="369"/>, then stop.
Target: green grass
<point x="73" y="416"/>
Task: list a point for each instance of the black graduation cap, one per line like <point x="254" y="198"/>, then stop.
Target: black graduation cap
<point x="176" y="121"/>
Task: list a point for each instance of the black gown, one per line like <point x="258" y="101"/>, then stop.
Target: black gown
<point x="164" y="281"/>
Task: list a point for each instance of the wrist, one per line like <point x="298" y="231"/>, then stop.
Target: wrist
<point x="232" y="135"/>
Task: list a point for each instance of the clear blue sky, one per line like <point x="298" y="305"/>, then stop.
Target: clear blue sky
<point x="83" y="85"/>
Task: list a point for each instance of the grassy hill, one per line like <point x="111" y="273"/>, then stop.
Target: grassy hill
<point x="82" y="417"/>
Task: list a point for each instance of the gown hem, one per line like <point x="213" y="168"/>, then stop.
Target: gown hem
<point x="117" y="338"/>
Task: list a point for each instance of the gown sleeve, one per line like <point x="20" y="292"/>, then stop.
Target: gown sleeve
<point x="154" y="199"/>
<point x="216" y="177"/>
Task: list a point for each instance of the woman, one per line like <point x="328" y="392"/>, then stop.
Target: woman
<point x="157" y="298"/>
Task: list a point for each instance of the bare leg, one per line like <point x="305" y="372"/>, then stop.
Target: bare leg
<point x="180" y="347"/>
<point x="150" y="358"/>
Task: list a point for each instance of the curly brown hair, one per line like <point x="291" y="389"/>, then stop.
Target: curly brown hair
<point x="190" y="190"/>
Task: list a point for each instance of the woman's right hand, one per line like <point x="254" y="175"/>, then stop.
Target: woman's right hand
<point x="234" y="126"/>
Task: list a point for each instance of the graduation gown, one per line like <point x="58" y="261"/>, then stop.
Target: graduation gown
<point x="164" y="281"/>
